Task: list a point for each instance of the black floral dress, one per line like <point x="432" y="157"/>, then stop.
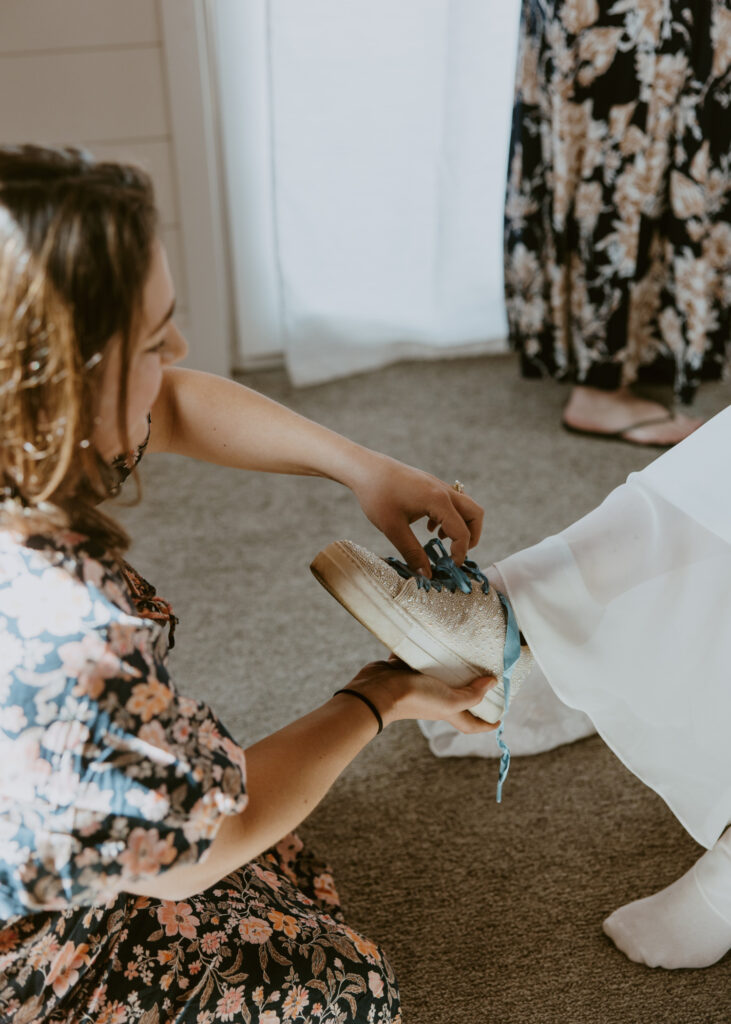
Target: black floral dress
<point x="108" y="773"/>
<point x="617" y="233"/>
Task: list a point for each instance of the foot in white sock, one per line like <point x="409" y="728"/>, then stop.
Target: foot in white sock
<point x="688" y="924"/>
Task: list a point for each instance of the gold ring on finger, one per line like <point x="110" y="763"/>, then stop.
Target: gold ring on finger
<point x="458" y="486"/>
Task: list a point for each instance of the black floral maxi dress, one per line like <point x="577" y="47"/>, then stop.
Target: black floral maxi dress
<point x="617" y="233"/>
<point x="107" y="772"/>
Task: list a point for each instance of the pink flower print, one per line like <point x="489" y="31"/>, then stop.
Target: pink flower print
<point x="268" y="877"/>
<point x="75" y="654"/>
<point x="113" y="1013"/>
<point x="284" y="923"/>
<point x="289" y="847"/>
<point x="91" y="661"/>
<point x="375" y="983"/>
<point x="149" y="699"/>
<point x="188" y="707"/>
<point x="208" y="735"/>
<point x="230" y="1002"/>
<point x="297" y="999"/>
<point x="123" y="637"/>
<point x="91" y="570"/>
<point x="182" y="730"/>
<point x="154" y="734"/>
<point x="211" y="941"/>
<point x="235" y="754"/>
<point x="8" y="939"/>
<point x="325" y="889"/>
<point x="253" y="929"/>
<point x="178" y="918"/>
<point x="64" y="973"/>
<point x="364" y="946"/>
<point x="146" y="852"/>
<point x="44" y="951"/>
<point x="89" y="685"/>
<point x="132" y="970"/>
<point x="270" y="1017"/>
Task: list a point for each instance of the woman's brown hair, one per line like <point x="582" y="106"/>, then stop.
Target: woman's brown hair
<point x="76" y="242"/>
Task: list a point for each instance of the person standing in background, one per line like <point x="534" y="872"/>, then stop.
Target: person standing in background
<point x="617" y="233"/>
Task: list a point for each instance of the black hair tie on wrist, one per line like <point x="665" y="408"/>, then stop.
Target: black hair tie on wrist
<point x="369" y="703"/>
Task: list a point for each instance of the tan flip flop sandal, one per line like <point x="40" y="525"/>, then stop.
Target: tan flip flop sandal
<point x="621" y="435"/>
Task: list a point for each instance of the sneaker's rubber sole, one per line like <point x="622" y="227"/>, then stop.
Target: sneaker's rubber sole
<point x="343" y="577"/>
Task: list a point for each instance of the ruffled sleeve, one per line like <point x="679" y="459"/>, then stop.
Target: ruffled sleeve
<point x="107" y="772"/>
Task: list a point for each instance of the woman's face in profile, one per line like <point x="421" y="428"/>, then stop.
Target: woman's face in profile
<point x="157" y="344"/>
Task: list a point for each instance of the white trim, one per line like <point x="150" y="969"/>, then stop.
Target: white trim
<point x="192" y="116"/>
<point x="239" y="30"/>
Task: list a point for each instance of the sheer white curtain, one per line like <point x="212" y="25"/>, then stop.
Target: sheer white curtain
<point x="365" y="144"/>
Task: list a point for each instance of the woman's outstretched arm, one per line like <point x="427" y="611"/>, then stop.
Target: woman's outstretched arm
<point x="217" y="420"/>
<point x="289" y="772"/>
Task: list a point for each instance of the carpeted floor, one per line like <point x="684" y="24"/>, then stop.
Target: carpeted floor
<point x="491" y="914"/>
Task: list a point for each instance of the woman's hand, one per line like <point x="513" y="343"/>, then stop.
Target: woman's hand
<point x="393" y="496"/>
<point x="400" y="693"/>
<point x="216" y="420"/>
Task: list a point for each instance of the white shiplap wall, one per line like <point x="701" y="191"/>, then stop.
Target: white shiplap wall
<point x="129" y="81"/>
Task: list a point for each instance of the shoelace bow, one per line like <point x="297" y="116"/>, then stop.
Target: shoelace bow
<point x="444" y="571"/>
<point x="447" y="575"/>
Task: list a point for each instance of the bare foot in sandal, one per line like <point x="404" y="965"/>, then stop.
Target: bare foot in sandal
<point x="625" y="416"/>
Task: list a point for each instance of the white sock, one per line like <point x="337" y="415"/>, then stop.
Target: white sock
<point x="688" y="924"/>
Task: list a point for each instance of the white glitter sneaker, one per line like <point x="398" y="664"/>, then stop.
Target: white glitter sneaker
<point x="444" y="627"/>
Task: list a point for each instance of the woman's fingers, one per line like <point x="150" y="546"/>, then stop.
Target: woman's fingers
<point x="470" y="724"/>
<point x="472" y="694"/>
<point x="458" y="518"/>
<point x="406" y="543"/>
<point x="394" y="496"/>
<point x="472" y="514"/>
<point x="443" y="514"/>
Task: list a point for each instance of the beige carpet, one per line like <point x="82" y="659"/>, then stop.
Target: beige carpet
<point x="491" y="915"/>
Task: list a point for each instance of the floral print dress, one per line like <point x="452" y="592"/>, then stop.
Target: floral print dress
<point x="107" y="774"/>
<point x="617" y="233"/>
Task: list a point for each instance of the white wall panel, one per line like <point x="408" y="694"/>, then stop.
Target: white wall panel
<point x="192" y="121"/>
<point x="129" y="80"/>
<point x="92" y="94"/>
<point x="240" y="32"/>
<point x="71" y="24"/>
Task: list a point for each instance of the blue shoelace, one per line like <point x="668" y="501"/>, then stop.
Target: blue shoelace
<point x="447" y="575"/>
